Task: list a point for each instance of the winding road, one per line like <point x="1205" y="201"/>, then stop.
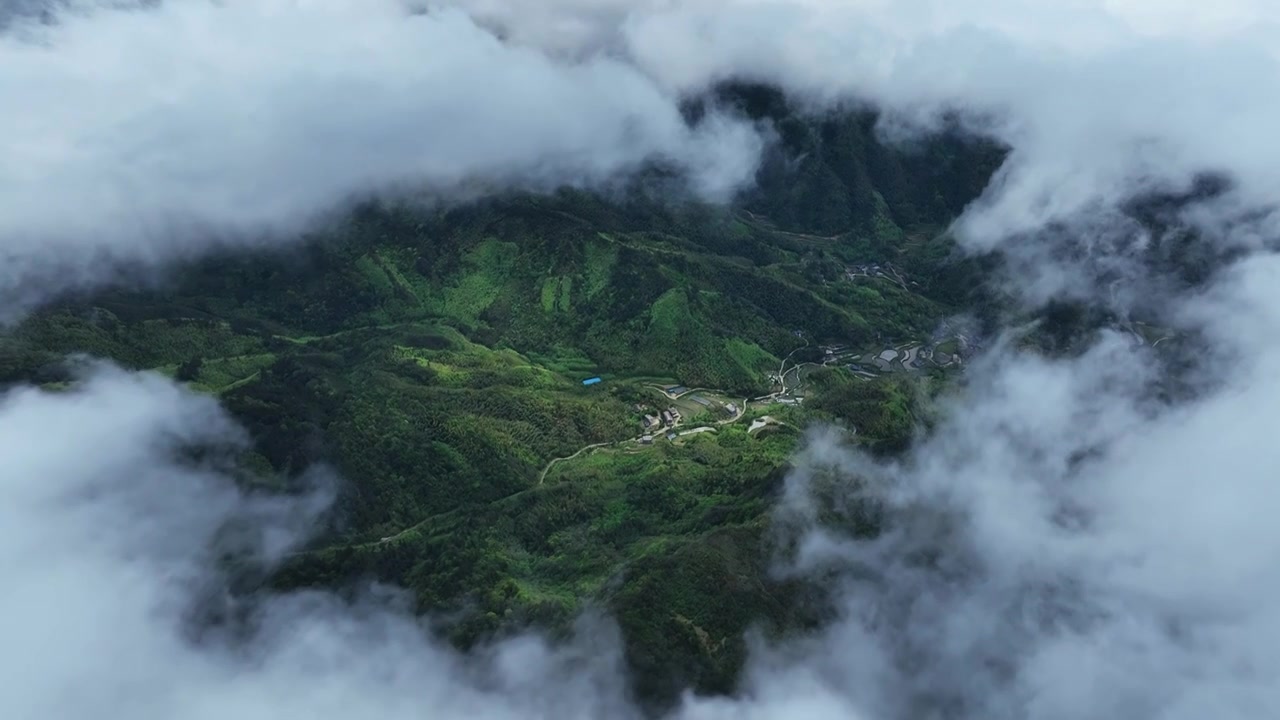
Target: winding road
<point x="551" y="464"/>
<point x="742" y="411"/>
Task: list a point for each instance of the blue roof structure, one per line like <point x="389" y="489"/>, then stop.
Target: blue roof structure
<point x="591" y="381"/>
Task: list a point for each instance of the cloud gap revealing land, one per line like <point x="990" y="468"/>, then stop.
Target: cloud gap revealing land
<point x="590" y="359"/>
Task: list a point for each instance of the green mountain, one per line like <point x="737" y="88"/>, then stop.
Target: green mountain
<point x="436" y="359"/>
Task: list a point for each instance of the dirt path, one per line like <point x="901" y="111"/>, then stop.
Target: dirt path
<point x="782" y="375"/>
<point x="765" y="225"/>
<point x="552" y="463"/>
<point x="742" y="410"/>
<point x="687" y="391"/>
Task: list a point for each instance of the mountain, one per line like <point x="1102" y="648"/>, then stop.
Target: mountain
<point x="435" y="359"/>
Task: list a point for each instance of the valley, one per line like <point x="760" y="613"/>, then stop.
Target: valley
<point x="433" y="360"/>
<point x="646" y="360"/>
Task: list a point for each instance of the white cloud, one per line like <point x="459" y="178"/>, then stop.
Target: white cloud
<point x="149" y="135"/>
<point x="1096" y="98"/>
<point x="1093" y="553"/>
<point x="1135" y="581"/>
<point x="1092" y="108"/>
<point x="108" y="541"/>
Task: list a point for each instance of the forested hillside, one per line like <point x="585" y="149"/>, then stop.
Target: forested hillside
<point x="435" y="359"/>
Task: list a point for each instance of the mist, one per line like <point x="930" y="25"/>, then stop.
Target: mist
<point x="1068" y="541"/>
<point x="112" y="539"/>
<point x="141" y="134"/>
<point x="1065" y="544"/>
<point x="1098" y="100"/>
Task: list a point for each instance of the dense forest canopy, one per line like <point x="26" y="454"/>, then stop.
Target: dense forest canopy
<point x="639" y="359"/>
<point x="434" y="358"/>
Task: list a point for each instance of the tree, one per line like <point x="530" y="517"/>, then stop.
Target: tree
<point x="190" y="370"/>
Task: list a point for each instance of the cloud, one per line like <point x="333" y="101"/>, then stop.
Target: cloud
<point x="1098" y="100"/>
<point x="1067" y="543"/>
<point x="110" y="537"/>
<point x="1064" y="545"/>
<point x="147" y="135"/>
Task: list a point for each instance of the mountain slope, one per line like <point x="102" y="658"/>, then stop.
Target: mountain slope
<point x="435" y="358"/>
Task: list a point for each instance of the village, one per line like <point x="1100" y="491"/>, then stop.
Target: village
<point x="875" y="270"/>
<point x="684" y="412"/>
<point x="712" y="409"/>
